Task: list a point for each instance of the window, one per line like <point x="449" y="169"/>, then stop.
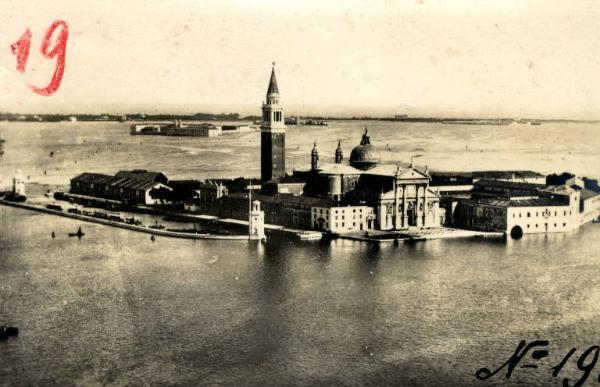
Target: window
<point x="554" y="213"/>
<point x="536" y="213"/>
<point x="554" y="224"/>
<point x="527" y="226"/>
<point x="519" y="214"/>
<point x="536" y="226"/>
<point x="564" y="225"/>
<point x="343" y="224"/>
<point x="565" y="213"/>
<point x="336" y="225"/>
<point x="529" y="214"/>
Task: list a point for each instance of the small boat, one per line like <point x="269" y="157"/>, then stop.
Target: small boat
<point x="157" y="226"/>
<point x="6" y="332"/>
<point x="77" y="234"/>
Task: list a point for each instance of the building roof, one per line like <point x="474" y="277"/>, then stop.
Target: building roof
<point x="506" y="174"/>
<point x="391" y="170"/>
<point x="114" y="181"/>
<point x="535" y="202"/>
<point x="88" y="177"/>
<point x="284" y="198"/>
<point x="273" y="89"/>
<point x="559" y="189"/>
<point x="507" y="184"/>
<point x="587" y="194"/>
<point x="142" y="174"/>
<point x="339" y="169"/>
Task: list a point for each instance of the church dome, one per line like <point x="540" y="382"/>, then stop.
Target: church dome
<point x="365" y="155"/>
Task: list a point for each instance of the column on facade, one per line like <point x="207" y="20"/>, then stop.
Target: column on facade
<point x="395" y="213"/>
<point x="418" y="216"/>
<point x="425" y="210"/>
<point x="404" y="205"/>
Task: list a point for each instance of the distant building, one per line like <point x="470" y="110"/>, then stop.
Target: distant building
<point x="177" y="129"/>
<point x="504" y="188"/>
<point x="512" y="176"/>
<point x="132" y="187"/>
<point x="147" y="129"/>
<point x="523" y="208"/>
<point x="18" y="186"/>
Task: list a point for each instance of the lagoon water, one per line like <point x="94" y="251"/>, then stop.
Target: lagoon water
<point x="114" y="308"/>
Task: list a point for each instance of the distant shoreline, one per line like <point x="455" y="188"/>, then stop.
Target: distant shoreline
<point x="15" y="117"/>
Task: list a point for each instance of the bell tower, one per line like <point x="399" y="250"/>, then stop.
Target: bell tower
<point x="272" y="136"/>
<point x="314" y="158"/>
<point x="339" y="154"/>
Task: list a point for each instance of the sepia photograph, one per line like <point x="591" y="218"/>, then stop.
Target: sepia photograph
<point x="300" y="193"/>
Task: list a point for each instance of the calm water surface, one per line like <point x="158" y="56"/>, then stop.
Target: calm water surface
<point x="115" y="308"/>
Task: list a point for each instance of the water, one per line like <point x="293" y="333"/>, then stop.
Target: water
<point x="108" y="147"/>
<point x="115" y="308"/>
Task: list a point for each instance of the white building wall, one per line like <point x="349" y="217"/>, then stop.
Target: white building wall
<point x="546" y="219"/>
<point x="18" y="185"/>
<point x="591" y="209"/>
<point x="343" y="219"/>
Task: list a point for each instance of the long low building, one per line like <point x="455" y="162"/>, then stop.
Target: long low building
<point x="550" y="209"/>
<point x="131" y="187"/>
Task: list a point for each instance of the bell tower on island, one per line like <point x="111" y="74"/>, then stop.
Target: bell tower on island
<point x="272" y="136"/>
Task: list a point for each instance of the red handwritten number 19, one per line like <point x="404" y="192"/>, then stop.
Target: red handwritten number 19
<point x="20" y="48"/>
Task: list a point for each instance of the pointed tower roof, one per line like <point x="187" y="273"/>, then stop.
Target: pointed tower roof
<point x="273" y="83"/>
<point x="339" y="147"/>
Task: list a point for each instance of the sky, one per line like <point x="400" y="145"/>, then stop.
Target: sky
<point x="427" y="58"/>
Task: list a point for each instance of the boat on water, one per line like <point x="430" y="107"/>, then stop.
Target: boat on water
<point x="6" y="332"/>
<point x="157" y="226"/>
<point x="15" y="197"/>
<point x="77" y="234"/>
<point x="535" y="123"/>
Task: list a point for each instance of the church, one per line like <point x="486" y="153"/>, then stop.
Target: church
<point x="391" y="197"/>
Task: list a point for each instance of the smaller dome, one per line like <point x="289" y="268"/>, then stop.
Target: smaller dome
<point x="365" y="155"/>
